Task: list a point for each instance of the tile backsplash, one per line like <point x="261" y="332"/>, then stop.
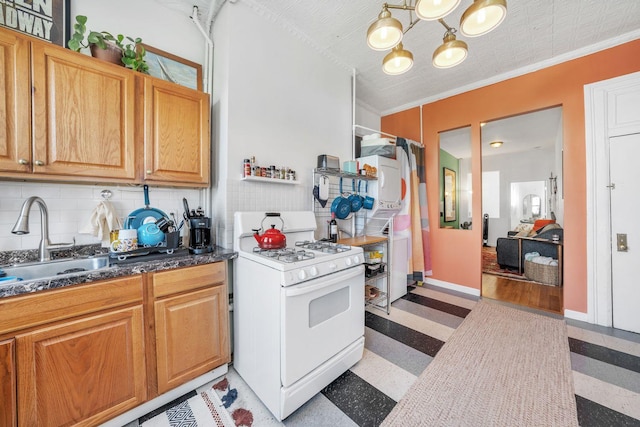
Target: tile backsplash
<point x="259" y="196"/>
<point x="70" y="207"/>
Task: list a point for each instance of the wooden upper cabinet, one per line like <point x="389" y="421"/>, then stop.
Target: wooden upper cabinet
<point x="65" y="116"/>
<point x="15" y="94"/>
<point x="176" y="133"/>
<point x="83" y="115"/>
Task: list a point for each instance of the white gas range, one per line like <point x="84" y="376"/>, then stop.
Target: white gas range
<point x="298" y="311"/>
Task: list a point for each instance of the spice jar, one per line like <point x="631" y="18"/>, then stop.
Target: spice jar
<point x="246" y="170"/>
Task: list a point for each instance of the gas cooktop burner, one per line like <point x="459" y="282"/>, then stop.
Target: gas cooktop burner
<point x="321" y="246"/>
<point x="285" y="254"/>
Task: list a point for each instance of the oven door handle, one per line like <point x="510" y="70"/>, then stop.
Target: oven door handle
<point x="335" y="278"/>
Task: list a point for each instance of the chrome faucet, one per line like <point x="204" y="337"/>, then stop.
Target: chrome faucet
<point x="22" y="227"/>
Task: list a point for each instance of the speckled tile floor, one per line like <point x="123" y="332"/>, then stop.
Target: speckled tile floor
<point x="399" y="346"/>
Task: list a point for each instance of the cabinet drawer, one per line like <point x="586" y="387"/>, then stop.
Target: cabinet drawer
<point x="26" y="311"/>
<point x="188" y="278"/>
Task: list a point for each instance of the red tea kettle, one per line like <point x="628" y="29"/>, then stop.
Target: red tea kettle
<point x="271" y="238"/>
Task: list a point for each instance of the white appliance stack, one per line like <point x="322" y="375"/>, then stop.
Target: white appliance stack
<point x="298" y="311"/>
<point x="387" y="192"/>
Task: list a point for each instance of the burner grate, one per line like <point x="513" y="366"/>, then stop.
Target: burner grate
<point x="285" y="254"/>
<point x="322" y="246"/>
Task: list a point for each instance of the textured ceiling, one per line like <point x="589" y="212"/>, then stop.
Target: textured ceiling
<point x="534" y="32"/>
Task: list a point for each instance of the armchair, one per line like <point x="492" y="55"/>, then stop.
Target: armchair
<point x="507" y="247"/>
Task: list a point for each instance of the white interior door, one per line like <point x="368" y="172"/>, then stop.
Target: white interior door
<point x="625" y="205"/>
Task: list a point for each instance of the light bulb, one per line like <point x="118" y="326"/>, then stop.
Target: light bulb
<point x="482" y="16"/>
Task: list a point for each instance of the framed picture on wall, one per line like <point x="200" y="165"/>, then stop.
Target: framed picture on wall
<point x="45" y="20"/>
<point x="449" y="195"/>
<point x="167" y="66"/>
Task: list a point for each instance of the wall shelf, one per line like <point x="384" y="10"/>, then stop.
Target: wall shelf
<point x="270" y="180"/>
<point x="343" y="174"/>
<point x="376" y="241"/>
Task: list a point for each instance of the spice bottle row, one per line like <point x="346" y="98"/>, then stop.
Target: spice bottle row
<point x="249" y="168"/>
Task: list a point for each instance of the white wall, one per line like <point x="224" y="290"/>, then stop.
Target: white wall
<point x="533" y="165"/>
<point x="167" y="29"/>
<point x="366" y="116"/>
<point x="275" y="98"/>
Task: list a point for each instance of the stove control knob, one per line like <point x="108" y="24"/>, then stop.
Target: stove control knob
<point x="348" y="262"/>
<point x="357" y="259"/>
<point x="332" y="266"/>
<point x="314" y="271"/>
<point x="302" y="274"/>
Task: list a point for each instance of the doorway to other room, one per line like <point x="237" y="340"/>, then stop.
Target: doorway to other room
<point x="522" y="207"/>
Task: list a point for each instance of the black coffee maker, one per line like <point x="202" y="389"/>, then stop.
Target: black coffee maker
<point x="200" y="235"/>
<point x="199" y="230"/>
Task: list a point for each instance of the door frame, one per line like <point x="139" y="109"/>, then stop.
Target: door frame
<point x="601" y="123"/>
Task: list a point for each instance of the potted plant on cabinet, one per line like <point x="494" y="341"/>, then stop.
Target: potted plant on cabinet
<point x="120" y="49"/>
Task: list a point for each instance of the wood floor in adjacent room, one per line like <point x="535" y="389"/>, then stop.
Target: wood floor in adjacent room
<point x="528" y="294"/>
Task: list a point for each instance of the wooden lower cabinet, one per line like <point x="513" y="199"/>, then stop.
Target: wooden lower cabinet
<point x="82" y="355"/>
<point x="7" y="384"/>
<point x="192" y="324"/>
<point x="82" y="371"/>
<point x="189" y="340"/>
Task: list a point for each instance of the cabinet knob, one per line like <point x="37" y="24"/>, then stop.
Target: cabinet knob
<point x="39" y="163"/>
<point x="23" y="161"/>
<point x="149" y="171"/>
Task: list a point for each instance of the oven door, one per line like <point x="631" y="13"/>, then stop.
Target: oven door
<point x="319" y="319"/>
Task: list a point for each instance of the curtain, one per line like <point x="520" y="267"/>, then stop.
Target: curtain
<point x="413" y="219"/>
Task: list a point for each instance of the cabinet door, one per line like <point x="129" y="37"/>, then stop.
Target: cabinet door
<point x="83" y="114"/>
<point x="82" y="372"/>
<point x="7" y="384"/>
<point x="191" y="335"/>
<point x="15" y="95"/>
<point x="176" y="133"/>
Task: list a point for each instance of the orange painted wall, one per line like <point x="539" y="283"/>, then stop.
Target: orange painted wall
<point x="457" y="253"/>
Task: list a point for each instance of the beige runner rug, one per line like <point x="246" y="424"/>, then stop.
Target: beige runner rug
<point x="501" y="367"/>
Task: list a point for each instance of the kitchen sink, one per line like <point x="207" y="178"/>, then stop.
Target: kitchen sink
<point x="40" y="270"/>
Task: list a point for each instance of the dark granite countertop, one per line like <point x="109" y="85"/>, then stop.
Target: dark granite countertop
<point x="116" y="269"/>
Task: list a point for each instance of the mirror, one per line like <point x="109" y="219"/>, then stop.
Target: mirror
<point x="521" y="176"/>
<point x="455" y="178"/>
<point x="531" y="207"/>
<point x="449" y="195"/>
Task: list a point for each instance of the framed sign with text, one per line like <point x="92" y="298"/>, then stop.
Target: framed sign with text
<point x="46" y="20"/>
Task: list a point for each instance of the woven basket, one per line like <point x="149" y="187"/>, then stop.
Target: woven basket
<point x="547" y="274"/>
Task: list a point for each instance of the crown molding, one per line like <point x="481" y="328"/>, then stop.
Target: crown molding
<point x="588" y="50"/>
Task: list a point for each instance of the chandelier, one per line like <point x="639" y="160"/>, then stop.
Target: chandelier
<point x="386" y="32"/>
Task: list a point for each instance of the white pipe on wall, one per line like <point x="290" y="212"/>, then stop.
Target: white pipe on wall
<point x="206" y="194"/>
<point x="353" y="115"/>
<point x="208" y="53"/>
